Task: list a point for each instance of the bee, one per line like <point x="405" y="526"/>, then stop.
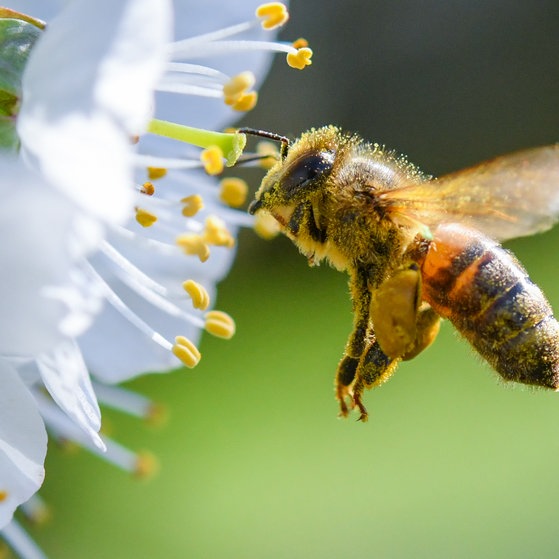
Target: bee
<point x="419" y="249"/>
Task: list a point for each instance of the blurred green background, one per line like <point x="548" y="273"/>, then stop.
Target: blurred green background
<point x="255" y="463"/>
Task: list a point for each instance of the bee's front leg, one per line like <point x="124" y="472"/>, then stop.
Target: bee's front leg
<point x="357" y="342"/>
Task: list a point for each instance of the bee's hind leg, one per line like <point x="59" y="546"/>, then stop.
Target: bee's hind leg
<point x="374" y="368"/>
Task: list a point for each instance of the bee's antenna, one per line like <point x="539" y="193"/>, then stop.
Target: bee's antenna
<point x="271" y="136"/>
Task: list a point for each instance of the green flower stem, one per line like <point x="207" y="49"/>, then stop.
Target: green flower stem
<point x="231" y="145"/>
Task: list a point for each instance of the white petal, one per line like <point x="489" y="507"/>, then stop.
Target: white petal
<point x="23" y="443"/>
<point x="81" y="105"/>
<point x="66" y="378"/>
<point x="43" y="235"/>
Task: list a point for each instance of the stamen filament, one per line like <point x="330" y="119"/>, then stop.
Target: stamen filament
<point x="126" y="401"/>
<point x="185" y="67"/>
<point x="184" y="47"/>
<point x="143" y="160"/>
<point x="35" y="510"/>
<point x="177" y="86"/>
<point x="119" y="305"/>
<point x="220" y="47"/>
<point x="20" y="541"/>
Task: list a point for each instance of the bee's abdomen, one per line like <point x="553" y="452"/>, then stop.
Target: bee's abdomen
<point x="483" y="290"/>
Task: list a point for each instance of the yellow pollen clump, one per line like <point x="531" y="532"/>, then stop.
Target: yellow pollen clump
<point x="216" y="233"/>
<point x="3" y="495"/>
<point x="239" y="84"/>
<point x="186" y="351"/>
<point x="245" y="102"/>
<point x="237" y="94"/>
<point x="300" y="58"/>
<point x="200" y="297"/>
<point x="146" y="465"/>
<point x="194" y="244"/>
<point x="39" y="514"/>
<point x="269" y="153"/>
<point x="155" y="173"/>
<point x="266" y="226"/>
<point x="300" y="43"/>
<point x="145" y="218"/>
<point x="272" y="15"/>
<point x="212" y="160"/>
<point x="157" y="415"/>
<point x="233" y="192"/>
<point x="220" y="324"/>
<point x="148" y="188"/>
<point x="192" y="205"/>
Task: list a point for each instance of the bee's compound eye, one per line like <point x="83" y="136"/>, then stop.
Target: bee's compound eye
<point x="307" y="169"/>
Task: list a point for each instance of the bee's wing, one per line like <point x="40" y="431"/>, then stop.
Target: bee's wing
<point x="509" y="196"/>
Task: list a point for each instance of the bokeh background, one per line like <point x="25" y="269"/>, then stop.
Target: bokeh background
<point x="254" y="462"/>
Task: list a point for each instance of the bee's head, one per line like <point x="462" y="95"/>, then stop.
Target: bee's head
<point x="300" y="174"/>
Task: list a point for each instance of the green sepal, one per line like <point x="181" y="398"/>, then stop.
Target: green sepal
<point x="17" y="38"/>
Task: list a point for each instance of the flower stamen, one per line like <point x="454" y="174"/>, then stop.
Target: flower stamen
<point x="155" y="173"/>
<point x="300" y="57"/>
<point x="233" y="192"/>
<point x="200" y="297"/>
<point x="216" y="233"/>
<point x="186" y="351"/>
<point x="145" y="218"/>
<point x="237" y="94"/>
<point x="192" y="205"/>
<point x="220" y="324"/>
<point x="212" y="160"/>
<point x="272" y="15"/>
<point x="193" y="245"/>
<point x="146" y="465"/>
<point x="148" y="189"/>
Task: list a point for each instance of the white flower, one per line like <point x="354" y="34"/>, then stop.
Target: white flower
<point x="72" y="180"/>
<point x="87" y="289"/>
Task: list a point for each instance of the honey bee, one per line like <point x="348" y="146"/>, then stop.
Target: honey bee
<point x="419" y="249"/>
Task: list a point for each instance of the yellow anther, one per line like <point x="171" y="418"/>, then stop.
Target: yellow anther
<point x="212" y="159"/>
<point x="39" y="514"/>
<point x="266" y="226"/>
<point x="145" y="218"/>
<point x="200" y="297"/>
<point x="237" y="94"/>
<point x="216" y="233"/>
<point x="157" y="415"/>
<point x="233" y="192"/>
<point x="272" y="15"/>
<point x="186" y="351"/>
<point x="3" y="495"/>
<point x="148" y="188"/>
<point x="239" y="84"/>
<point x="300" y="59"/>
<point x="146" y="465"/>
<point x="220" y="324"/>
<point x="269" y="153"/>
<point x="300" y="43"/>
<point x="155" y="173"/>
<point x="192" y="205"/>
<point x="194" y="244"/>
<point x="245" y="102"/>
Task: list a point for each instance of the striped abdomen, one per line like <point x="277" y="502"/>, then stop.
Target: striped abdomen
<point x="484" y="291"/>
